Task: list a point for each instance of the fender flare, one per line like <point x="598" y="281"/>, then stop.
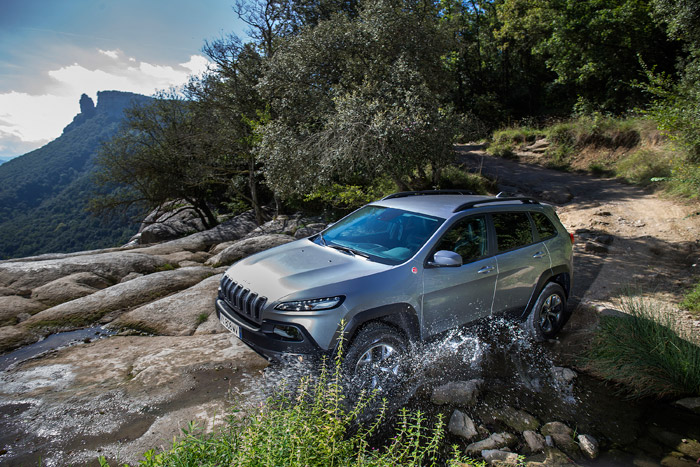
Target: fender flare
<point x="564" y="279"/>
<point x="399" y="315"/>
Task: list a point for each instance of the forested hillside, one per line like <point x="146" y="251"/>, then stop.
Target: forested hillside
<point x="44" y="194"/>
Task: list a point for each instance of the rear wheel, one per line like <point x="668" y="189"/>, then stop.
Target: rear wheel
<point x="375" y="359"/>
<point x="549" y="314"/>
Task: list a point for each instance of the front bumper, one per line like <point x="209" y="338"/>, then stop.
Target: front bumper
<point x="262" y="339"/>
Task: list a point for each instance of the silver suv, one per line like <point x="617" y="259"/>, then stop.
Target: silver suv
<point x="405" y="268"/>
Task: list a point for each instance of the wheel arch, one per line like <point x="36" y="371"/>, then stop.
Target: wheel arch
<point x="559" y="275"/>
<point x="401" y="316"/>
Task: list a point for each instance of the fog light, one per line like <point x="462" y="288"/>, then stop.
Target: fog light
<point x="288" y="332"/>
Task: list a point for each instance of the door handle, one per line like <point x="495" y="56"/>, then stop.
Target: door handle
<point x="485" y="270"/>
<point x="539" y="254"/>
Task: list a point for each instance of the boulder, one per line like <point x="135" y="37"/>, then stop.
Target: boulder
<point x="461" y="425"/>
<point x="553" y="458"/>
<point x="556" y="428"/>
<point x="179" y="314"/>
<point x="290" y="225"/>
<point x="13" y="306"/>
<point x="535" y="441"/>
<point x="69" y="288"/>
<point x="690" y="403"/>
<point x="588" y="445"/>
<point x="211" y="326"/>
<point x="461" y="393"/>
<point x="518" y="420"/>
<point x="495" y="441"/>
<point x="496" y="456"/>
<point x="25" y="276"/>
<point x="563" y="376"/>
<point x="104" y="305"/>
<point x="247" y="247"/>
<point x="181" y="257"/>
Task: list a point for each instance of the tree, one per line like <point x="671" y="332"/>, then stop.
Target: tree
<point x="164" y="152"/>
<point x="356" y="97"/>
<point x="594" y="47"/>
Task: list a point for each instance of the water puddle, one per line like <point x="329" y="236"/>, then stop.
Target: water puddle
<point x="53" y="342"/>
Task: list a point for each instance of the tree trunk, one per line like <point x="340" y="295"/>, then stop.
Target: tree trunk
<point x="254" y="192"/>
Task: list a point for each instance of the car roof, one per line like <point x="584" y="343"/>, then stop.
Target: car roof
<point x="444" y="205"/>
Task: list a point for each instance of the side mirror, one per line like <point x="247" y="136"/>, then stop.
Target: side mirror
<point x="445" y="258"/>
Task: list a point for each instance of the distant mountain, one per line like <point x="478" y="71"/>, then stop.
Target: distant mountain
<point x="3" y="160"/>
<point x="44" y="193"/>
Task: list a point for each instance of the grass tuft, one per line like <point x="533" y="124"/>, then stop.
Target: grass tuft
<point x="691" y="302"/>
<point x="647" y="352"/>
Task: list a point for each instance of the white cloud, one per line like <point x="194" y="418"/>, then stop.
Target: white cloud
<point x="110" y="53"/>
<point x="27" y="119"/>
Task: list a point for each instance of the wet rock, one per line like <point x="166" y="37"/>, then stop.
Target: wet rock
<point x="496" y="456"/>
<point x="553" y="457"/>
<point x="179" y="314"/>
<point x="677" y="442"/>
<point x="673" y="461"/>
<point x="13" y="306"/>
<point x="588" y="446"/>
<point x="461" y="393"/>
<point x="247" y="247"/>
<point x="556" y="428"/>
<point x="690" y="403"/>
<point x="461" y="425"/>
<point x="535" y="441"/>
<point x="25" y="276"/>
<point x="69" y="288"/>
<point x="495" y="441"/>
<point x="103" y="305"/>
<point x="562" y="375"/>
<point x="518" y="420"/>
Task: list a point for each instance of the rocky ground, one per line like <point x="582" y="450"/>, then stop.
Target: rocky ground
<point x="163" y="360"/>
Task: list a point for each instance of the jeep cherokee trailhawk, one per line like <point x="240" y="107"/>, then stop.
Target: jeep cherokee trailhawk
<point x="405" y="268"/>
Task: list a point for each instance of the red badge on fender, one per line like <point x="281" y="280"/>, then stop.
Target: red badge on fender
<point x="414" y="270"/>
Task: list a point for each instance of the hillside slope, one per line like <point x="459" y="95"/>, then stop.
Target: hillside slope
<point x="44" y="193"/>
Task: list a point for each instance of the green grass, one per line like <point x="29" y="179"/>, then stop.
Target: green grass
<point x="313" y="425"/>
<point x="691" y="302"/>
<point x="647" y="353"/>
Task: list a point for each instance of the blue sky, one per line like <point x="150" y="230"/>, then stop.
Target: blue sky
<point x="52" y="51"/>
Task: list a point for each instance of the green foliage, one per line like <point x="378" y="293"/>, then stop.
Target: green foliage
<point x="691" y="302"/>
<point x="648" y="352"/>
<point x="505" y="150"/>
<point x="313" y="425"/>
<point x="456" y="177"/>
<point x="643" y="165"/>
<point x="350" y="197"/>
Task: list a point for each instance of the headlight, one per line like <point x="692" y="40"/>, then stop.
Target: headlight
<point x="311" y="305"/>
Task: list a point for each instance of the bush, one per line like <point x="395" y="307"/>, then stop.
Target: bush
<point x="691" y="302"/>
<point x="454" y="177"/>
<point x="505" y="150"/>
<point x="647" y="352"/>
<point x="310" y="426"/>
<point x="642" y="166"/>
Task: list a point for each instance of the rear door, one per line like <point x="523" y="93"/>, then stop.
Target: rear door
<point x="456" y="295"/>
<point x="522" y="259"/>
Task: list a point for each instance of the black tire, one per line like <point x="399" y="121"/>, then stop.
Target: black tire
<point x="375" y="359"/>
<point x="549" y="314"/>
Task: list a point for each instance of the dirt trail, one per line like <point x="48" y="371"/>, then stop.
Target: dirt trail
<point x="625" y="236"/>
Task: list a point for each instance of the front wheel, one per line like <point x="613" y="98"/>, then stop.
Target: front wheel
<point x="375" y="358"/>
<point x="549" y="314"/>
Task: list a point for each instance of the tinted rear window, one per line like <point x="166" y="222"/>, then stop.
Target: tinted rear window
<point x="544" y="226"/>
<point x="513" y="230"/>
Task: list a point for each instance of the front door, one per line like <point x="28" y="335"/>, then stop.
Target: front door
<point x="453" y="296"/>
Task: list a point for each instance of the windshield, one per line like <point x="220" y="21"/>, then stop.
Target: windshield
<point x="386" y="235"/>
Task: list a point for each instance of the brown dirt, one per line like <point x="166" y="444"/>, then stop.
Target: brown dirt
<point x="654" y="241"/>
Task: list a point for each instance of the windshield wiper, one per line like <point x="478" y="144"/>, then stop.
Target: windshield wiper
<point x="349" y="250"/>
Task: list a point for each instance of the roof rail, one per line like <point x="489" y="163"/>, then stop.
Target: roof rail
<point x="404" y="194"/>
<point x="471" y="204"/>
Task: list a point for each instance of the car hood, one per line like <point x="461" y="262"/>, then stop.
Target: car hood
<point x="299" y="266"/>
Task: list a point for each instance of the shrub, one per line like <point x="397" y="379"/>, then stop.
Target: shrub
<point x="691" y="302"/>
<point x="505" y="150"/>
<point x="643" y="165"/>
<point x="310" y="426"/>
<point x="454" y="177"/>
<point x="647" y="352"/>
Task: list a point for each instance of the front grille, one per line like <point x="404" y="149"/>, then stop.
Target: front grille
<point x="244" y="302"/>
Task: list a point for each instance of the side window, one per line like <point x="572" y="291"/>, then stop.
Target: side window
<point x="467" y="238"/>
<point x="545" y="228"/>
<point x="513" y="230"/>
